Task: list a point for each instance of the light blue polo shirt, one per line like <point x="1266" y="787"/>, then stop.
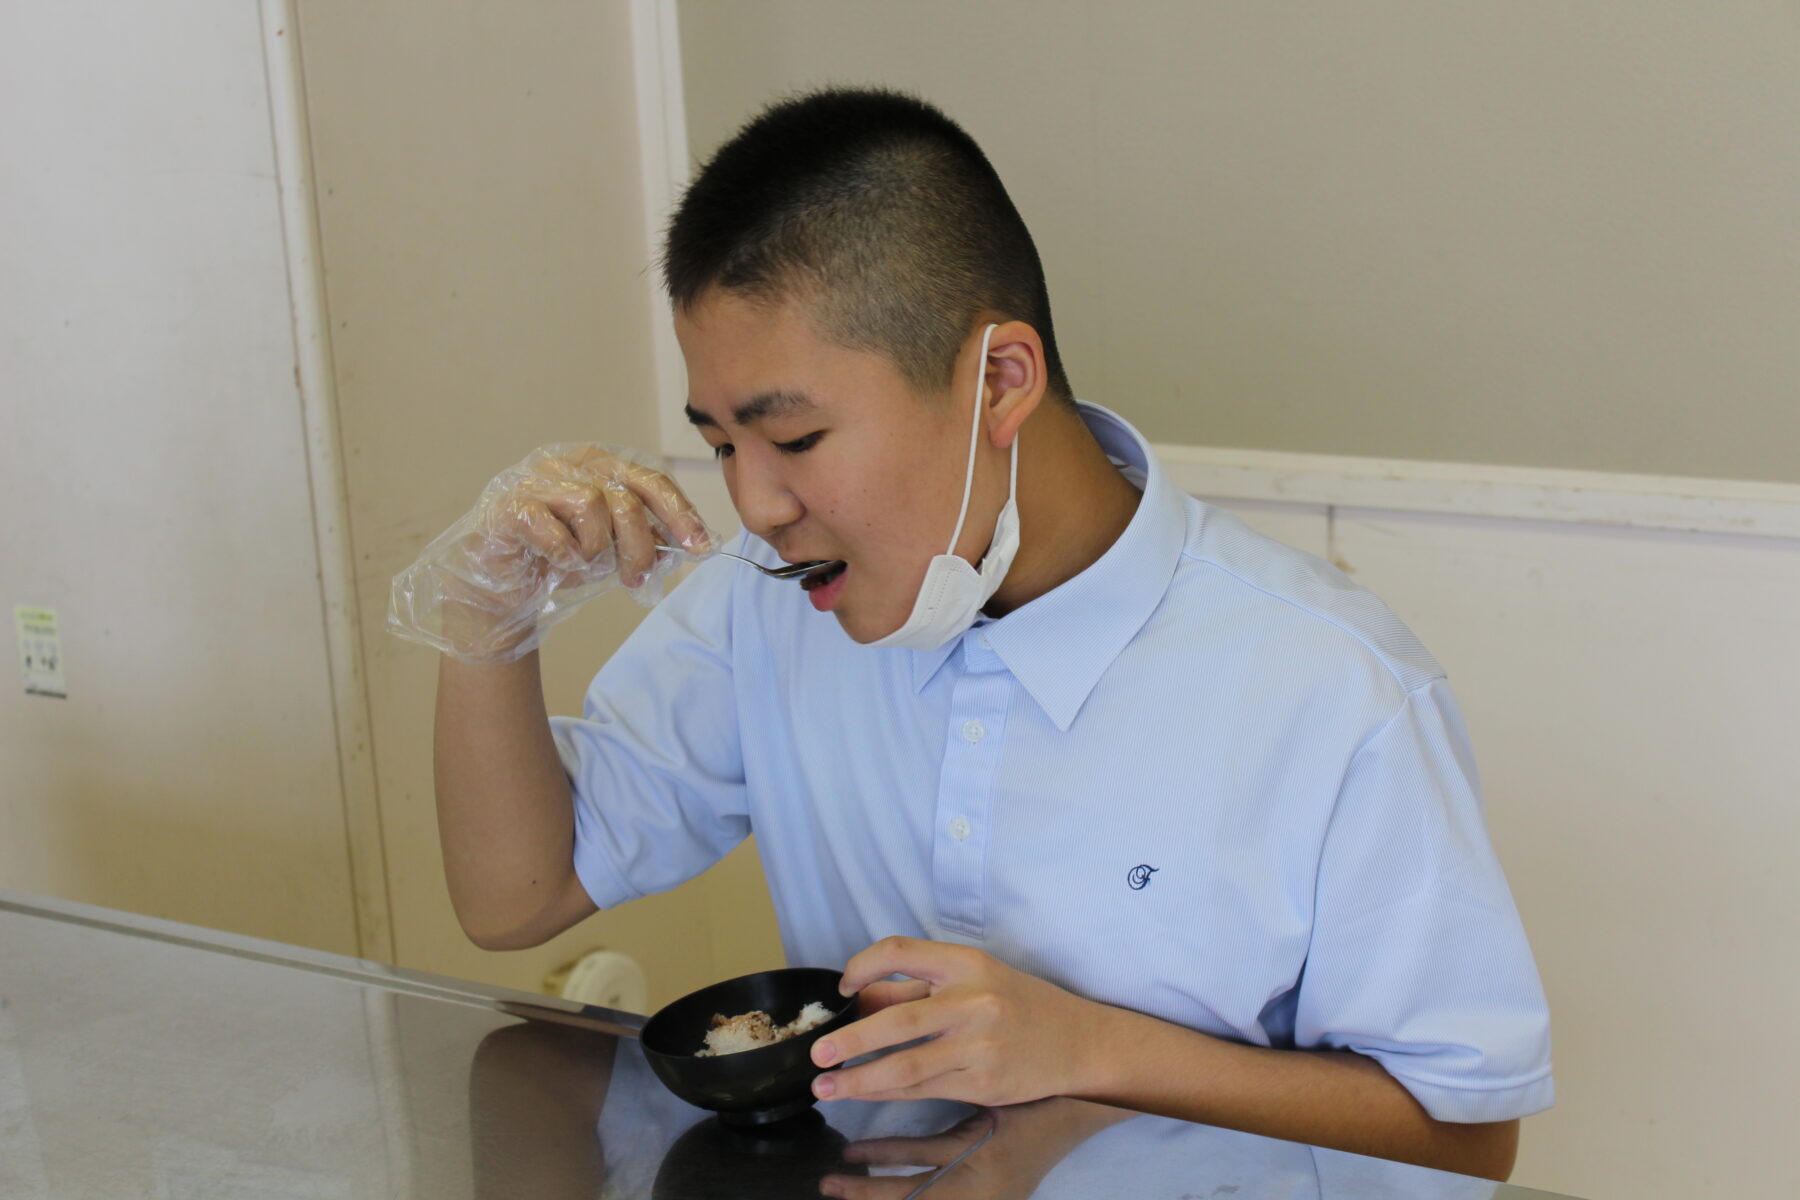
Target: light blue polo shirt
<point x="1209" y="779"/>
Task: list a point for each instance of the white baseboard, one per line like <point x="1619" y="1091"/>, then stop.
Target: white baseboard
<point x="1472" y="489"/>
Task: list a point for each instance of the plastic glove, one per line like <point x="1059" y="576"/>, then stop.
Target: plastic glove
<point x="569" y="522"/>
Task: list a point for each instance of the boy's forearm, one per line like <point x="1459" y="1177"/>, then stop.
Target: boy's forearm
<point x="1334" y="1099"/>
<point x="505" y="819"/>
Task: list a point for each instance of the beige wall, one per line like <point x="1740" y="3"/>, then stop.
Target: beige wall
<point x="154" y="476"/>
<point x="478" y="182"/>
<point x="173" y="492"/>
<point x="1537" y="233"/>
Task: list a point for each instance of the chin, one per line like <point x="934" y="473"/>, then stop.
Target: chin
<point x="860" y="629"/>
<point x="854" y="628"/>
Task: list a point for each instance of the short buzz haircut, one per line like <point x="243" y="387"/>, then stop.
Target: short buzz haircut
<point x="876" y="212"/>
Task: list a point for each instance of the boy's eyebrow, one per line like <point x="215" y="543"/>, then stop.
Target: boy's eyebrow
<point x="757" y="408"/>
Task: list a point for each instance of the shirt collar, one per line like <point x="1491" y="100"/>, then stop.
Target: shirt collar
<point x="1107" y="603"/>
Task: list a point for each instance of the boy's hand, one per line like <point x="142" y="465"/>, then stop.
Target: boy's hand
<point x="998" y="1036"/>
<point x="570" y="519"/>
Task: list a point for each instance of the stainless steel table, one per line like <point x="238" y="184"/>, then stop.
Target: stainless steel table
<point x="142" y="1058"/>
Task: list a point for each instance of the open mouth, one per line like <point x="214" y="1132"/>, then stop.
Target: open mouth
<point x="813" y="580"/>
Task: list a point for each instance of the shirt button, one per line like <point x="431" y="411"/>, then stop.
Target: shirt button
<point x="974" y="731"/>
<point x="959" y="829"/>
<point x="981" y="639"/>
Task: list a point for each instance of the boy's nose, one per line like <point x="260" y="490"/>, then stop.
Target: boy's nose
<point x="764" y="503"/>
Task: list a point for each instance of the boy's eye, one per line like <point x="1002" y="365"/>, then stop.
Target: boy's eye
<point x="800" y="445"/>
<point x="723" y="450"/>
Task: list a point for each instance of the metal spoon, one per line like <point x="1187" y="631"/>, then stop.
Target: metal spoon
<point x="793" y="571"/>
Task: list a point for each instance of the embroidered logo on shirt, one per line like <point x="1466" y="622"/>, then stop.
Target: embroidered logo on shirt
<point x="1140" y="875"/>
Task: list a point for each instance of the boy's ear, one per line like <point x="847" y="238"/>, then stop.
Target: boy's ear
<point x="1014" y="380"/>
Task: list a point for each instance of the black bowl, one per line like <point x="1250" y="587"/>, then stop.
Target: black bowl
<point x="752" y="1087"/>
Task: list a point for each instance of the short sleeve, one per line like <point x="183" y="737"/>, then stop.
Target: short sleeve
<point x="1418" y="958"/>
<point x="654" y="761"/>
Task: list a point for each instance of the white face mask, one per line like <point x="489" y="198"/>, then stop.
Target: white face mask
<point x="953" y="592"/>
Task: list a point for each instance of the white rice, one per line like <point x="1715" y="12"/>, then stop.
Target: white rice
<point x="752" y="1030"/>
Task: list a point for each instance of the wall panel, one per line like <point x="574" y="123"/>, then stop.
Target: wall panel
<point x="1534" y="233"/>
<point x="1630" y="696"/>
<point x="154" y="476"/>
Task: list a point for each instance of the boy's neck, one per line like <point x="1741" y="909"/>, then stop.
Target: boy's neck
<point x="1073" y="505"/>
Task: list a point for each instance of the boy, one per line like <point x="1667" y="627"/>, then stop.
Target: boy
<point x="1142" y="807"/>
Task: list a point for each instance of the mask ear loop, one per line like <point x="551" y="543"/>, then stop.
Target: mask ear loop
<point x="1012" y="478"/>
<point x="974" y="440"/>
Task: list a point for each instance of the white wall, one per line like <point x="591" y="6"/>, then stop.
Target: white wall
<point x="1630" y="693"/>
<point x="154" y="475"/>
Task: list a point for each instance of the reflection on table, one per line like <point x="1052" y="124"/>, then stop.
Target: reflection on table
<point x="145" y="1058"/>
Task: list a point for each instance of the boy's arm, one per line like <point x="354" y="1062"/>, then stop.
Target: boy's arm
<point x="1331" y="1098"/>
<point x="577" y="518"/>
<point x="1000" y="1036"/>
<point x="506" y="821"/>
